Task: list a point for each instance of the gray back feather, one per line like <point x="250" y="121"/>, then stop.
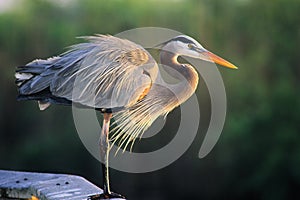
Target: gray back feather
<point x="107" y="75"/>
<point x="105" y="72"/>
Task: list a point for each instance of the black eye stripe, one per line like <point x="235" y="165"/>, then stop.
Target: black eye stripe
<point x="183" y="39"/>
<point x="180" y="39"/>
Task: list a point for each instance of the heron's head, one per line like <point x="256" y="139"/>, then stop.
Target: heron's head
<point x="187" y="46"/>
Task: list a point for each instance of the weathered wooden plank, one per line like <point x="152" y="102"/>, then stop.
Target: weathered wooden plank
<point x="24" y="185"/>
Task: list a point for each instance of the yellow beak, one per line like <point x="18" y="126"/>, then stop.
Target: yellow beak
<point x="218" y="60"/>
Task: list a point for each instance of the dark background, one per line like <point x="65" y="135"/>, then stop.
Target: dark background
<point x="258" y="153"/>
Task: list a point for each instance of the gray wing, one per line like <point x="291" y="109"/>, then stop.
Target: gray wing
<point x="107" y="72"/>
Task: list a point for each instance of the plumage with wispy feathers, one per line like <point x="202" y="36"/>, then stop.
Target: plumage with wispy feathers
<point x="119" y="78"/>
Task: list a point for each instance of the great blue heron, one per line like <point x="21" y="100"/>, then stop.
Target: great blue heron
<point x="116" y="77"/>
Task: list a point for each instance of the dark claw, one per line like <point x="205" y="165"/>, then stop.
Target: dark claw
<point x="106" y="196"/>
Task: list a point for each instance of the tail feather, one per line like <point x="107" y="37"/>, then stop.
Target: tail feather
<point x="22" y="77"/>
<point x="45" y="99"/>
<point x="43" y="105"/>
<point x="35" y="76"/>
<point x="33" y="81"/>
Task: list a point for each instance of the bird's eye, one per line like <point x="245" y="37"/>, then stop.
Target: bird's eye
<point x="190" y="46"/>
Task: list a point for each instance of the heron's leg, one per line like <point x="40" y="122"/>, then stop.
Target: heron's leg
<point x="104" y="154"/>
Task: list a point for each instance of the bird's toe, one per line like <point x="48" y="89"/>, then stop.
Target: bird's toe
<point x="112" y="195"/>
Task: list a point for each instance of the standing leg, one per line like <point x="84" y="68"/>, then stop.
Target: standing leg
<point x="104" y="155"/>
<point x="104" y="152"/>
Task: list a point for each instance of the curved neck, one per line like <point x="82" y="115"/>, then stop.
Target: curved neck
<point x="184" y="72"/>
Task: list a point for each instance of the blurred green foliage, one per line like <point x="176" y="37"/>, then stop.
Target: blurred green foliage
<point x="258" y="154"/>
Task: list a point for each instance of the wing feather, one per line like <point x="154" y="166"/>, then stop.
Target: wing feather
<point x="110" y="73"/>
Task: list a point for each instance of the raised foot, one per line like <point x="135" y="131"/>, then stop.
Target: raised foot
<point x="112" y="195"/>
